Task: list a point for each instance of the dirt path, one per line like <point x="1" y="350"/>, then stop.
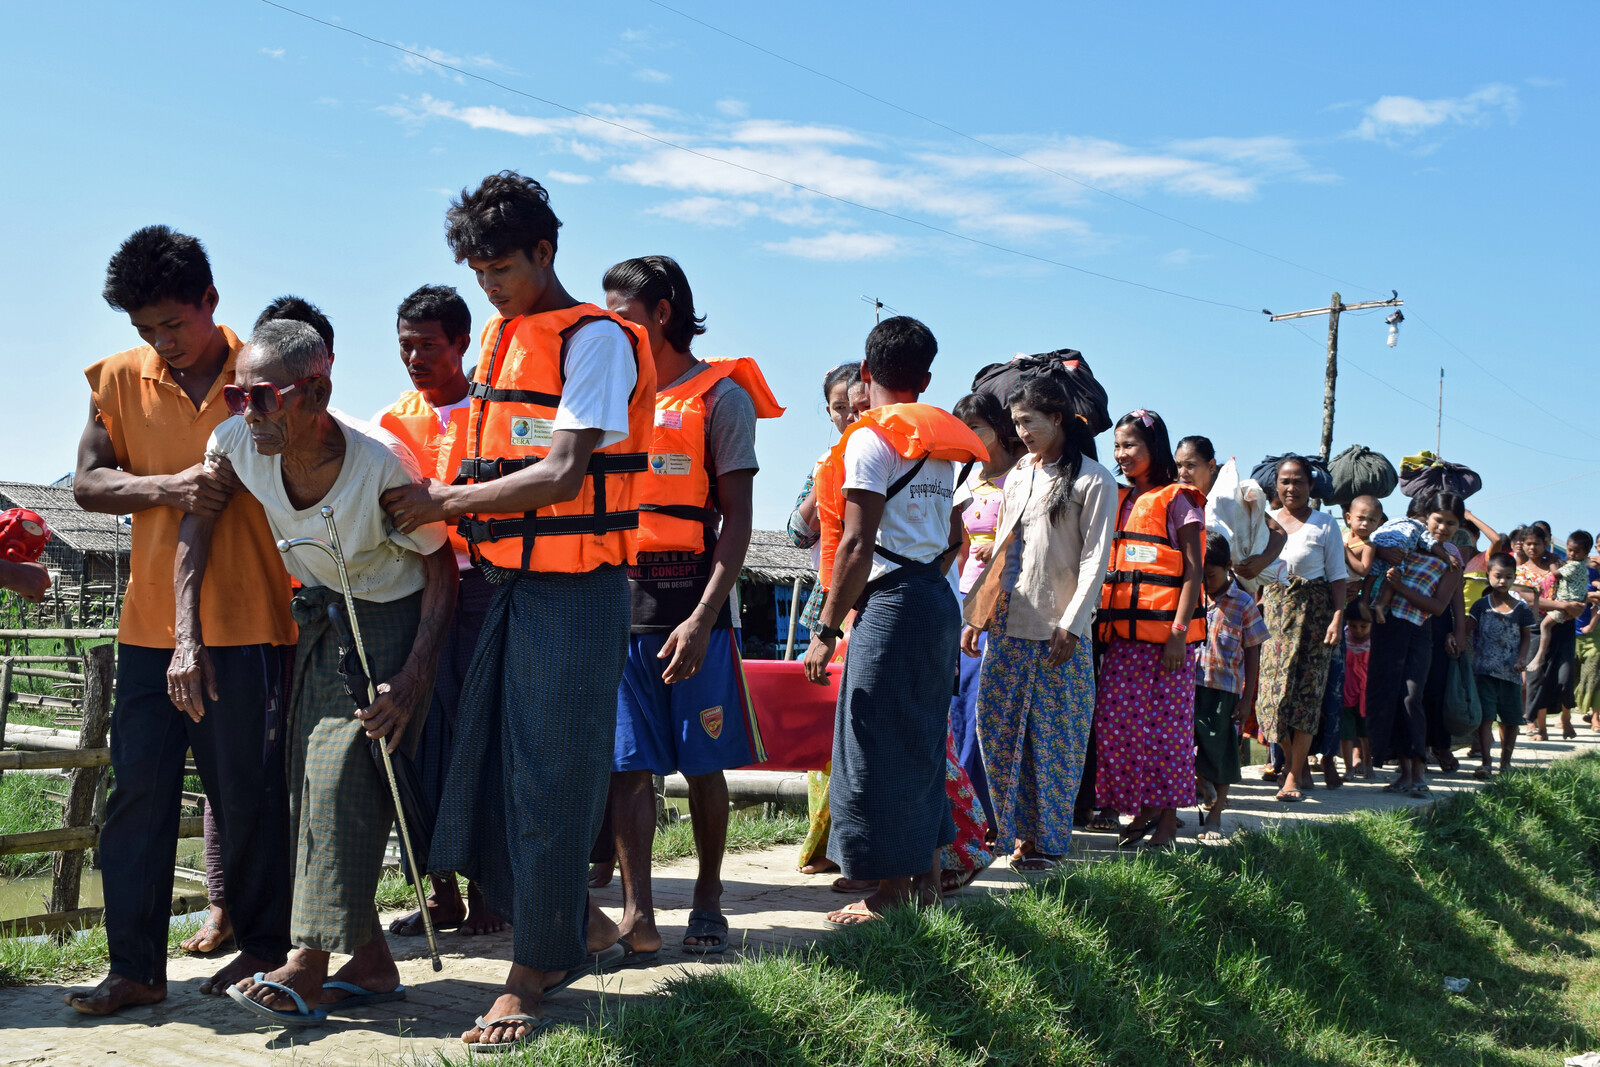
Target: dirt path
<point x="769" y="903"/>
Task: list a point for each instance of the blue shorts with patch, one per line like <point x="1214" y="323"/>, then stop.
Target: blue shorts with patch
<point x="695" y="726"/>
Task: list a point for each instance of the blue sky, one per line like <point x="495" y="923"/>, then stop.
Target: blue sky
<point x="1442" y="150"/>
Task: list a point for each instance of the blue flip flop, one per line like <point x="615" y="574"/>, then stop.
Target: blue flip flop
<point x="359" y="996"/>
<point x="602" y="962"/>
<point x="704" y="923"/>
<point x="302" y="1016"/>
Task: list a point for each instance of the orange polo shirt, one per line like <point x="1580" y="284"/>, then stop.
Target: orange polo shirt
<point x="156" y="429"/>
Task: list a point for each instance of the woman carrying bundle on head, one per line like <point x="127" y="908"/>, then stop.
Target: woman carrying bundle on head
<point x="1304" y="610"/>
<point x="1152" y="622"/>
<point x="1035" y="603"/>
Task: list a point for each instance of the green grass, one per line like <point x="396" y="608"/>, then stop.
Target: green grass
<point x="26" y="960"/>
<point x="1323" y="945"/>
<point x="748" y="831"/>
<point x="26" y="807"/>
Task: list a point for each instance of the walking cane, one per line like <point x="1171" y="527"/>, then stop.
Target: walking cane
<point x="331" y="547"/>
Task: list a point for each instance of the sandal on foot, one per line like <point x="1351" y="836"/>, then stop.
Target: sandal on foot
<point x="704" y="923"/>
<point x="632" y="957"/>
<point x="1103" y="823"/>
<point x="359" y="996"/>
<point x="851" y="885"/>
<point x="1397" y="787"/>
<point x="1036" y="863"/>
<point x="853" y="915"/>
<point x="603" y="962"/>
<point x="955" y="881"/>
<point x="1210" y="836"/>
<point x="1135" y="834"/>
<point x="1289" y="796"/>
<point x="1483" y="774"/>
<point x="301" y="1016"/>
<point x="535" y="1025"/>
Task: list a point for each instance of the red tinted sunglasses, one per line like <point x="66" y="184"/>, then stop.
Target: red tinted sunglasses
<point x="265" y="397"/>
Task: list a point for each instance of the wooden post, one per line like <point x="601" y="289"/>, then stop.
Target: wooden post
<point x="1332" y="377"/>
<point x="85" y="781"/>
<point x="5" y="696"/>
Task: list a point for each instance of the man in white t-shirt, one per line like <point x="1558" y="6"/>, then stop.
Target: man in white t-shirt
<point x="285" y="448"/>
<point x="891" y="530"/>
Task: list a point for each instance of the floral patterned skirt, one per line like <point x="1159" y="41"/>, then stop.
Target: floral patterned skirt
<point x="1295" y="659"/>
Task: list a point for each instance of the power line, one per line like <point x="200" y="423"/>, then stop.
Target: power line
<point x="1347" y="361"/>
<point x="1002" y="150"/>
<point x="646" y="135"/>
<point x="1546" y="485"/>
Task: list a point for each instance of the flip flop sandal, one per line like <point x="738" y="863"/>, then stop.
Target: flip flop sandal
<point x="860" y="912"/>
<point x="1136" y="834"/>
<point x="603" y="962"/>
<point x="1103" y="824"/>
<point x="411" y="925"/>
<point x="1419" y="792"/>
<point x="1397" y="787"/>
<point x="536" y="1026"/>
<point x="632" y="957"/>
<point x="704" y="924"/>
<point x="1035" y="863"/>
<point x="359" y="996"/>
<point x="301" y="1016"/>
<point x="850" y="885"/>
<point x="1289" y="796"/>
<point x="955" y="881"/>
<point x="1210" y="836"/>
<point x="1483" y="774"/>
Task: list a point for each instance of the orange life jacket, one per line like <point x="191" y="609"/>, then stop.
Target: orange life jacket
<point x="439" y="450"/>
<point x="915" y="431"/>
<point x="515" y="390"/>
<point x="1139" y="600"/>
<point x="673" y="512"/>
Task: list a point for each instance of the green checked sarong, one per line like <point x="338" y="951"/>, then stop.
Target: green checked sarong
<point x="340" y="809"/>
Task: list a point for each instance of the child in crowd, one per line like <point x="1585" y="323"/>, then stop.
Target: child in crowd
<point x="1572" y="584"/>
<point x="1225" y="679"/>
<point x="1353" y="744"/>
<point x="1404" y="535"/>
<point x="1502" y="632"/>
<point x="1363" y="516"/>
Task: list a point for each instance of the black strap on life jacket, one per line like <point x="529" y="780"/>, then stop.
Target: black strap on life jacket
<point x="687" y="512"/>
<point x="533" y="525"/>
<point x="482" y="391"/>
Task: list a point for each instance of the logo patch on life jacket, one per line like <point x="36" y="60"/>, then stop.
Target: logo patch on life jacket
<point x="1140" y="554"/>
<point x="670" y="463"/>
<point x="531" y="431"/>
<point x="672" y="420"/>
<point x="711" y="722"/>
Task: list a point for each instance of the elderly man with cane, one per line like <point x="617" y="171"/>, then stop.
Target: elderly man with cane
<point x="288" y="450"/>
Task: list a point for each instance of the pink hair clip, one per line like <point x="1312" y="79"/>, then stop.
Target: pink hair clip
<point x="1144" y="416"/>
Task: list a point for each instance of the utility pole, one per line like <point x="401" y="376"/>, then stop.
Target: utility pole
<point x="1330" y="380"/>
<point x="877" y="308"/>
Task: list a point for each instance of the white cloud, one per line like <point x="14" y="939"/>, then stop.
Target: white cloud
<point x="736" y="109"/>
<point x="837" y="247"/>
<point x="766" y="131"/>
<point x="708" y="211"/>
<point x="653" y="76"/>
<point x="1181" y="257"/>
<point x="275" y="53"/>
<point x="1407" y="116"/>
<point x="568" y="178"/>
<point x="429" y="60"/>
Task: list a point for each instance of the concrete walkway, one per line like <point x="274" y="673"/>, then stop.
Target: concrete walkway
<point x="770" y="905"/>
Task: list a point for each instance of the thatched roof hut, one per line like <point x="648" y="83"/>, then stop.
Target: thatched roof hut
<point x="89" y="554"/>
<point x="766" y="588"/>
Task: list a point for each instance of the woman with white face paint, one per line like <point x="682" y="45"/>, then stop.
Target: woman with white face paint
<point x="1035" y="602"/>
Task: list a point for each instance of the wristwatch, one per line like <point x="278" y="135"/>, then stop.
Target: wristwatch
<point x="829" y="633"/>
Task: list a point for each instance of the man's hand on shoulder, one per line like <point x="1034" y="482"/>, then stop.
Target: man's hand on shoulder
<point x="417" y="504"/>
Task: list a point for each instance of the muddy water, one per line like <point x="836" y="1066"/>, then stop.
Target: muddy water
<point x="31" y="895"/>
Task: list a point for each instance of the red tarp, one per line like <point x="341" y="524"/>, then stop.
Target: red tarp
<point x="794" y="716"/>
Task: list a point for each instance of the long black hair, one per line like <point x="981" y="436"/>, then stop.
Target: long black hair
<point x="987" y="408"/>
<point x="1045" y="395"/>
<point x="652" y="279"/>
<point x="846" y="374"/>
<point x="1152" y="430"/>
<point x="1202" y="446"/>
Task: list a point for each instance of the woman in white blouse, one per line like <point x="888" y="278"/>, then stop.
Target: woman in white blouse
<point x="1036" y="600"/>
<point x="1304" y="610"/>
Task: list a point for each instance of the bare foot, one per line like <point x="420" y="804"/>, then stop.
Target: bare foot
<point x="304" y="972"/>
<point x="241" y="966"/>
<point x="481" y="919"/>
<point x="641" y="934"/>
<point x="114" y="993"/>
<point x="819" y="866"/>
<point x="444" y="908"/>
<point x="215" y="932"/>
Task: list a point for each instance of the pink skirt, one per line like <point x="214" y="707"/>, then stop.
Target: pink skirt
<point x="1144" y="729"/>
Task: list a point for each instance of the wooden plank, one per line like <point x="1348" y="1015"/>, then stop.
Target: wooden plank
<point x="5" y="696"/>
<point x="59" y="635"/>
<point x="68" y="872"/>
<point x="40" y="672"/>
<point x="53" y="761"/>
<point x="77" y="838"/>
<point x="34" y="700"/>
<point x="79" y="918"/>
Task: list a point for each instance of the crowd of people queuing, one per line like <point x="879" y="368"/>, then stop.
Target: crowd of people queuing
<point x="542" y="549"/>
